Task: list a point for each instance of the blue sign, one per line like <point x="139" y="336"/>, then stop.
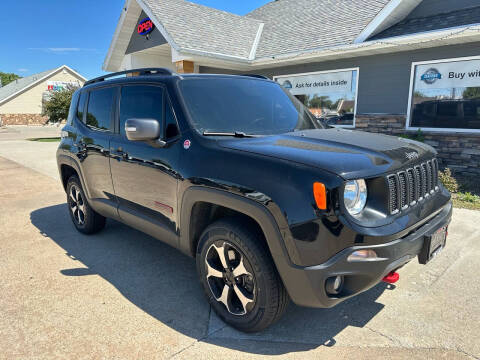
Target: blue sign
<point x="287" y="84"/>
<point x="431" y="75"/>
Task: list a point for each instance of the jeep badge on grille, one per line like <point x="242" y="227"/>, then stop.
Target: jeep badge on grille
<point x="411" y="155"/>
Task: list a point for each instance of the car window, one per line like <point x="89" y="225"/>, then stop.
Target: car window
<point x="81" y="105"/>
<point x="99" y="109"/>
<point x="171" y="126"/>
<point x="140" y="102"/>
<point x="73" y="107"/>
<point x="246" y="105"/>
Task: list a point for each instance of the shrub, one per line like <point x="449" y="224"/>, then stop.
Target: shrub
<point x="448" y="180"/>
<point x="57" y="105"/>
<point x="418" y="136"/>
<point x="469" y="197"/>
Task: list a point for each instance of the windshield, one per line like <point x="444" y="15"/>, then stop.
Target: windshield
<point x="250" y="106"/>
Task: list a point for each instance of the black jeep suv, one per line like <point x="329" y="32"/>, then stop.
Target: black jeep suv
<point x="237" y="173"/>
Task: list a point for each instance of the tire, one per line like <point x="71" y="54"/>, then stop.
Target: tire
<point x="85" y="219"/>
<point x="256" y="298"/>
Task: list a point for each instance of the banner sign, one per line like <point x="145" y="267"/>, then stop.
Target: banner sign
<point x="320" y="83"/>
<point x="60" y="85"/>
<point x="456" y="74"/>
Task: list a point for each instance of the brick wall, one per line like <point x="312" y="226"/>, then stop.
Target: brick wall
<point x="22" y="119"/>
<point x="458" y="151"/>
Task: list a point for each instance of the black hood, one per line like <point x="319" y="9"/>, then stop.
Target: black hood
<point x="350" y="154"/>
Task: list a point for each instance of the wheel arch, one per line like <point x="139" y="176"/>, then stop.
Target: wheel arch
<point x="192" y="201"/>
<point x="68" y="167"/>
<point x="292" y="275"/>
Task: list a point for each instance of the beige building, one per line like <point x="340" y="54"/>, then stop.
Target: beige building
<point x="21" y="101"/>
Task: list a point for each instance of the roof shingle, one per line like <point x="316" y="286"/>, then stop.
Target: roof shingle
<point x="300" y="25"/>
<point x="197" y="27"/>
<point x="18" y="85"/>
<point x="434" y="22"/>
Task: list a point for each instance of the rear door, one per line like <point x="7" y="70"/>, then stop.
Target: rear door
<point x="143" y="176"/>
<point x="92" y="143"/>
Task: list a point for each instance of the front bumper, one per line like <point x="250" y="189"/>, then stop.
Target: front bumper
<point x="309" y="282"/>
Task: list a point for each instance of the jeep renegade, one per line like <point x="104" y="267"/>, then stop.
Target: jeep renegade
<point x="235" y="172"/>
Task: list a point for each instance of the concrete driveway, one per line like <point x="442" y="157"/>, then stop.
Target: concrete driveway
<point x="122" y="294"/>
<point x="36" y="155"/>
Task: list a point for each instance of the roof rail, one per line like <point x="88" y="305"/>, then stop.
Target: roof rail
<point x="136" y="72"/>
<point x="255" y="76"/>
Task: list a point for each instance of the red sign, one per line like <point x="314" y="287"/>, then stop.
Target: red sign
<point x="145" y="27"/>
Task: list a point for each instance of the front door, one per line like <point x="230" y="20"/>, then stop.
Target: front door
<point x="143" y="178"/>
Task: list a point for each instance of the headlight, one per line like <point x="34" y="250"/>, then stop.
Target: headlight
<point x="355" y="196"/>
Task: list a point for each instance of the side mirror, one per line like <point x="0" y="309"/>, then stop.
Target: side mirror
<point x="142" y="129"/>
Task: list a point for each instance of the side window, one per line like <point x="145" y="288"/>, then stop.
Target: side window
<point x="140" y="102"/>
<point x="73" y="107"/>
<point x="81" y="105"/>
<point x="171" y="127"/>
<point x="99" y="109"/>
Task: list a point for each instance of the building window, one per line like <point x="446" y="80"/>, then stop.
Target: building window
<point x="330" y="95"/>
<point x="445" y="95"/>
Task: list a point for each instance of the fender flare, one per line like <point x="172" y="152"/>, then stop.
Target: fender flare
<point x="232" y="201"/>
<point x="293" y="276"/>
<point x="69" y="161"/>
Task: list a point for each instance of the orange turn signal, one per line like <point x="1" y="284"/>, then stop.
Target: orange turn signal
<point x="320" y="195"/>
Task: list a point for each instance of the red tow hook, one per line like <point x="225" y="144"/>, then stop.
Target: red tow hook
<point x="391" y="277"/>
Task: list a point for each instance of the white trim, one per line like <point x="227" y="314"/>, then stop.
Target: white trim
<point x="213" y="54"/>
<point x="377" y="21"/>
<point x="73" y="71"/>
<point x="253" y="51"/>
<point x="29" y="86"/>
<point x="116" y="34"/>
<point x="357" y="69"/>
<point x="410" y="96"/>
<point x="391" y="42"/>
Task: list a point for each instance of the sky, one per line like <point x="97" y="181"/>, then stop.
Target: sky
<point x="38" y="35"/>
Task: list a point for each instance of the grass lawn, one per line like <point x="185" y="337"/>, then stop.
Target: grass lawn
<point x="53" y="139"/>
<point x="466" y="201"/>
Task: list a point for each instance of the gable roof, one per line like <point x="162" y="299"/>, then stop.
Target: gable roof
<point x="281" y="32"/>
<point x="435" y="22"/>
<point x="197" y="27"/>
<point x="299" y="25"/>
<point x="17" y="86"/>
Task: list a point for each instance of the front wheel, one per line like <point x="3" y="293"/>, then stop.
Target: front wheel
<point x="239" y="277"/>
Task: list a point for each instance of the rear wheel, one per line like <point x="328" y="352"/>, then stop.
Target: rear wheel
<point x="85" y="219"/>
<point x="239" y="277"/>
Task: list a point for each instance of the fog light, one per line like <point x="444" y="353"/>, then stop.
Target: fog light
<point x="334" y="285"/>
<point x="362" y="255"/>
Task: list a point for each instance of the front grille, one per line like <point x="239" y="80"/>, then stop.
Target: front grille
<point x="408" y="187"/>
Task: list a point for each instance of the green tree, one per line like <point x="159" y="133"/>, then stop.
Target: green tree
<point x="58" y="103"/>
<point x="471" y="93"/>
<point x="320" y="102"/>
<point x="8" y="77"/>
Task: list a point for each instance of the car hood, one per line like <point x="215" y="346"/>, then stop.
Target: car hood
<point x="350" y="154"/>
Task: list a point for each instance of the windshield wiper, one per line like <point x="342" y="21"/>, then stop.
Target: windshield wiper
<point x="238" y="134"/>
